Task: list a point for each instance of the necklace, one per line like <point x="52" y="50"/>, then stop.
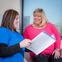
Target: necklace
<point x="39" y="27"/>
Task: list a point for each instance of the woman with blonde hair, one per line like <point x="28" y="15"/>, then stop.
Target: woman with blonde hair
<point x="40" y="24"/>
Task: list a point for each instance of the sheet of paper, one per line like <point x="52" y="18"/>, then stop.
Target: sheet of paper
<point x="41" y="42"/>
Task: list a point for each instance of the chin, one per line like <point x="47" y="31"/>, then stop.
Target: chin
<point x="37" y="23"/>
<point x="15" y="28"/>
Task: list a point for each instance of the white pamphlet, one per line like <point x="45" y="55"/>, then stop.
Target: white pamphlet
<point x="41" y="42"/>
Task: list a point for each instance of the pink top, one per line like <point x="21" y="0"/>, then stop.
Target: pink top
<point x="31" y="32"/>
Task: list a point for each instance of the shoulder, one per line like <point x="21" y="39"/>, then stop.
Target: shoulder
<point x="52" y="27"/>
<point x="51" y="24"/>
<point x="3" y="30"/>
<point x="28" y="27"/>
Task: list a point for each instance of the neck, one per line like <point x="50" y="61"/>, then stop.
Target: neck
<point x="37" y="25"/>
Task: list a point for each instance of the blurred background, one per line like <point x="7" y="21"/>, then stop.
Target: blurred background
<point x="52" y="8"/>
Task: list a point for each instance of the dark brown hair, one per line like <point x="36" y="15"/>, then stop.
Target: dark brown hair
<point x="8" y="18"/>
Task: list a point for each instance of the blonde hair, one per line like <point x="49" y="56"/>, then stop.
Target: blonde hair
<point x="44" y="18"/>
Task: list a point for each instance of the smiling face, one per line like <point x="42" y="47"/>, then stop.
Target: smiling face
<point x="40" y="19"/>
<point x="37" y="18"/>
<point x="16" y="21"/>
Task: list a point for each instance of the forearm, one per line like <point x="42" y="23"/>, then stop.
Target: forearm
<point x="58" y="43"/>
<point x="6" y="51"/>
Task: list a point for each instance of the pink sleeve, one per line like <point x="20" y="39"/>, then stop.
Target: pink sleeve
<point x="25" y="34"/>
<point x="57" y="36"/>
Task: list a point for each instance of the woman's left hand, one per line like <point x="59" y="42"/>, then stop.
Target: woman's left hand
<point x="56" y="54"/>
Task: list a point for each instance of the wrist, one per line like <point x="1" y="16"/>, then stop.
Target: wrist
<point x="57" y="49"/>
<point x="20" y="45"/>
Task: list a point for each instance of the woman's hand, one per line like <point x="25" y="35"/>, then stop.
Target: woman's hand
<point x="56" y="54"/>
<point x="25" y="43"/>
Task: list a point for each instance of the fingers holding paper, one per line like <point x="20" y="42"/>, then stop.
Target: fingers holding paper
<point x="25" y="43"/>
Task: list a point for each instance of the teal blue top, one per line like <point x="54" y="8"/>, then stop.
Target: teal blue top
<point x="11" y="38"/>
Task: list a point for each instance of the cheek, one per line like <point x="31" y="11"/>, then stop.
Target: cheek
<point x="16" y="23"/>
<point x="35" y="18"/>
<point x="39" y="18"/>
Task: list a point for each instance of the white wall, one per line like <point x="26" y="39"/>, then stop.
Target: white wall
<point x="10" y="4"/>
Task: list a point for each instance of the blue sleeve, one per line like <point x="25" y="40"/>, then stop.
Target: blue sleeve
<point x="4" y="36"/>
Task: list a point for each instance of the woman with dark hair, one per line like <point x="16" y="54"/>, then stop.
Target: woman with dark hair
<point x="40" y="24"/>
<point x="12" y="44"/>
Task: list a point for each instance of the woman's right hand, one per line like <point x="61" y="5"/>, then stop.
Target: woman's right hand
<point x="25" y="43"/>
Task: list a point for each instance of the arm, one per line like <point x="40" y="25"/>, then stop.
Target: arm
<point x="57" y="43"/>
<point x="57" y="36"/>
<point x="6" y="51"/>
<point x="9" y="51"/>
